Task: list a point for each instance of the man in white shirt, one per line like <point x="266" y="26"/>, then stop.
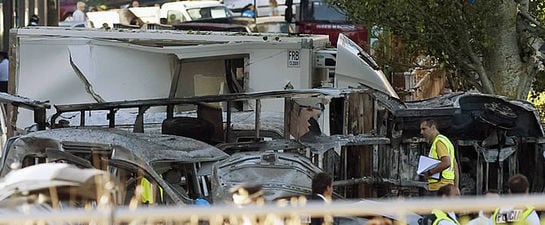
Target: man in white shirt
<point x="79" y="15"/>
<point x="518" y="184"/>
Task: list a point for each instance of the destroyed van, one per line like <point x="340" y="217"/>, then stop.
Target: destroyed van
<point x="494" y="137"/>
<point x="175" y="167"/>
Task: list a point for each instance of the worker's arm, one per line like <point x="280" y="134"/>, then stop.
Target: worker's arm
<point x="444" y="164"/>
<point x="443" y="155"/>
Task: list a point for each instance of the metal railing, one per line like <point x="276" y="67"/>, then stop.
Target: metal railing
<point x="287" y="213"/>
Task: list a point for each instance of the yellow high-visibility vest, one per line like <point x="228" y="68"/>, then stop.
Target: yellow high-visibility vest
<point x="515" y="217"/>
<point x="447" y="173"/>
<point x="440" y="215"/>
<point x="148" y="193"/>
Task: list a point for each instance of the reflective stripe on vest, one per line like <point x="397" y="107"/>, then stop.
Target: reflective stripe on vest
<point x="448" y="173"/>
<point x="514" y="217"/>
<point x="440" y="215"/>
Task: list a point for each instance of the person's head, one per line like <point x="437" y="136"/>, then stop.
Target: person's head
<point x="34" y="20"/>
<point x="247" y="194"/>
<point x="322" y="183"/>
<point x="80" y="5"/>
<point x="249" y="7"/>
<point x="518" y="184"/>
<point x="273" y="3"/>
<point x="135" y="4"/>
<point x="205" y="13"/>
<point x="428" y="129"/>
<point x="448" y="191"/>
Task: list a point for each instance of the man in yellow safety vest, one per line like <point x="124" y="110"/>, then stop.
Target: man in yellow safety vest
<point x="518" y="184"/>
<point x="443" y="150"/>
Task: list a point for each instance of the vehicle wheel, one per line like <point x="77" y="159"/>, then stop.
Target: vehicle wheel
<point x="191" y="127"/>
<point x="499" y="115"/>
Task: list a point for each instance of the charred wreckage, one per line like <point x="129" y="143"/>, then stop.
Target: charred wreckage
<point x="365" y="138"/>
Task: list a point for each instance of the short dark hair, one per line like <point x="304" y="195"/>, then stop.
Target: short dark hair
<point x="518" y="184"/>
<point x="429" y="122"/>
<point x="445" y="190"/>
<point x="320" y="182"/>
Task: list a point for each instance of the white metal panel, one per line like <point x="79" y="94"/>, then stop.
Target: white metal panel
<point x="126" y="65"/>
<point x="115" y="73"/>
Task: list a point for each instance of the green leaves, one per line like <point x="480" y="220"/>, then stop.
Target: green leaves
<point x="455" y="32"/>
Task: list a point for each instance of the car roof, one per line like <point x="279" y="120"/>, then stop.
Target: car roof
<point x="129" y="146"/>
<point x="192" y="4"/>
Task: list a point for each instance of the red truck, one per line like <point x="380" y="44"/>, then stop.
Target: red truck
<point x="317" y="17"/>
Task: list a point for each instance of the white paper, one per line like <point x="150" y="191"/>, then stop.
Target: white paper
<point x="426" y="163"/>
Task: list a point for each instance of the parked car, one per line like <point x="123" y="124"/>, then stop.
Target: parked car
<point x="182" y="11"/>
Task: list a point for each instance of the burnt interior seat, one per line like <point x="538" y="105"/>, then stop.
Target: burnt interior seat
<point x="191" y="127"/>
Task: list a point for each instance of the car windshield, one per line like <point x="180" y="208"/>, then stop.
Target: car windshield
<point x="208" y="13"/>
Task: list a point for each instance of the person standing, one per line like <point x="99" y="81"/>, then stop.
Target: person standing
<point x="4" y="71"/>
<point x="274" y="8"/>
<point x="441" y="217"/>
<point x="249" y="11"/>
<point x="135" y="4"/>
<point x="322" y="191"/>
<point x="517" y="184"/>
<point x="443" y="150"/>
<point x="79" y="14"/>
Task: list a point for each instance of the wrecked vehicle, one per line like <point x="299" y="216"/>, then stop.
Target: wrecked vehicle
<point x="494" y="138"/>
<point x="310" y="129"/>
<point x="211" y="64"/>
<point x="175" y="165"/>
<point x="49" y="186"/>
<point x="281" y="174"/>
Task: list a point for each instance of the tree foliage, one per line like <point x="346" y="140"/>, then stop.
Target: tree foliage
<point x="485" y="44"/>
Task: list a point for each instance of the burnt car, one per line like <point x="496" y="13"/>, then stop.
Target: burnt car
<point x="174" y="167"/>
<point x="281" y="174"/>
<point x="494" y="138"/>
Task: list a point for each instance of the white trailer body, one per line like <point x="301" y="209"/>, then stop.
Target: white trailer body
<point x="67" y="66"/>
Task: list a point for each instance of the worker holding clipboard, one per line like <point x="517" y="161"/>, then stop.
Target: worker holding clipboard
<point x="439" y="167"/>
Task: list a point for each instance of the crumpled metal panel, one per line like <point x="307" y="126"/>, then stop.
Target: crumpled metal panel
<point x="460" y="112"/>
<point x="145" y="147"/>
<point x="281" y="174"/>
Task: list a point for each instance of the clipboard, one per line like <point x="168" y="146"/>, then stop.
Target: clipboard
<point x="426" y="163"/>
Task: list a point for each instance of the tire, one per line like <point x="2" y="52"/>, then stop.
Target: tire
<point x="191" y="127"/>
